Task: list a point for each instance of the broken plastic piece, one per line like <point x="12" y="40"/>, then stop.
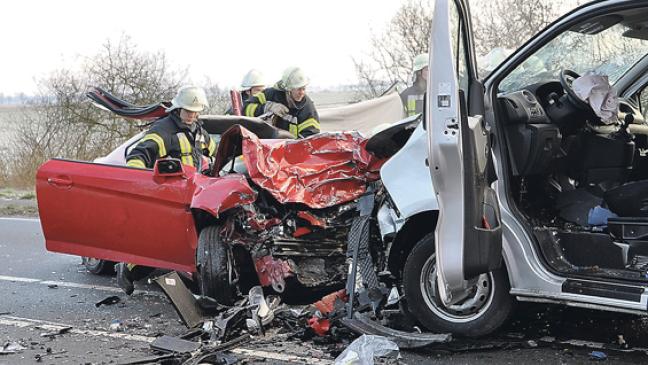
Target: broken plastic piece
<point x="108" y="301"/>
<point x="320" y="326"/>
<point x="174" y="344"/>
<point x="326" y="305"/>
<point x="256" y="298"/>
<point x="365" y="348"/>
<point x="183" y="301"/>
<point x="598" y="355"/>
<point x="393" y="297"/>
<point x="361" y="324"/>
<point x="116" y="326"/>
<point x="11" y="348"/>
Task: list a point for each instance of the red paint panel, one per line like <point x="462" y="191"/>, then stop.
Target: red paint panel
<point x="320" y="171"/>
<point x="117" y="213"/>
<point x="216" y="195"/>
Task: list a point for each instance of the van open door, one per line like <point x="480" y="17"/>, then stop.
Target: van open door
<point x="468" y="232"/>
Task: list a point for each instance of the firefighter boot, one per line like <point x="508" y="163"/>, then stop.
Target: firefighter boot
<point x="124" y="278"/>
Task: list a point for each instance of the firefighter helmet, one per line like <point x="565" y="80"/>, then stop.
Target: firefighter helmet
<point x="251" y="79"/>
<point x="293" y="78"/>
<point x="420" y="62"/>
<point x="191" y="98"/>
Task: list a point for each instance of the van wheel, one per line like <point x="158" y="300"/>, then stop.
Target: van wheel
<point x="98" y="266"/>
<point x="215" y="264"/>
<point x="486" y="309"/>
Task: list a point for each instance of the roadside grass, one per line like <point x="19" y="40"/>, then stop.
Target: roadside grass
<point x="17" y="194"/>
<point x="12" y="210"/>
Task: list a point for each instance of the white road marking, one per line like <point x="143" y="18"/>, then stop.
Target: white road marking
<point x="36" y="323"/>
<point x="26" y="322"/>
<point x="65" y="284"/>
<point x="279" y="356"/>
<point x="33" y="220"/>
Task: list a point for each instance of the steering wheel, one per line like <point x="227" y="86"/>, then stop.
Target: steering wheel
<point x="567" y="77"/>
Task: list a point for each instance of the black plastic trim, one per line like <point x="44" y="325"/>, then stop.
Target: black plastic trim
<point x="622" y="292"/>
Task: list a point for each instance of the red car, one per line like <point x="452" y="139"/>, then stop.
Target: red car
<point x="284" y="215"/>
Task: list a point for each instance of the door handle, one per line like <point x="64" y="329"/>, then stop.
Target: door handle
<point x="60" y="183"/>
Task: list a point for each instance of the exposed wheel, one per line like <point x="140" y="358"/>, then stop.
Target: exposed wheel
<point x="98" y="266"/>
<point x="486" y="308"/>
<point x="215" y="264"/>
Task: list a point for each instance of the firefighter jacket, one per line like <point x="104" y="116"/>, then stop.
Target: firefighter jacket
<point x="303" y="118"/>
<point x="170" y="137"/>
<point x="413" y="98"/>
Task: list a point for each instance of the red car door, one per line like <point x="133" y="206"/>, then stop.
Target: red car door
<point x="117" y="213"/>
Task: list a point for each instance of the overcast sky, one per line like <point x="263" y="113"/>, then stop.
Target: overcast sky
<point x="218" y="39"/>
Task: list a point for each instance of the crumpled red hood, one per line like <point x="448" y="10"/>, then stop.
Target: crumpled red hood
<point x="320" y="171"/>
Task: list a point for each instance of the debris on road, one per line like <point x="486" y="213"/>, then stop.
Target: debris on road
<point x="53" y="331"/>
<point x="174" y="344"/>
<point x="365" y="348"/>
<point x="116" y="326"/>
<point x="108" y="301"/>
<point x="12" y="347"/>
<point x="182" y="299"/>
<point x="598" y="355"/>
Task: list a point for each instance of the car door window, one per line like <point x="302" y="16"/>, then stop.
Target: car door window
<point x="459" y="48"/>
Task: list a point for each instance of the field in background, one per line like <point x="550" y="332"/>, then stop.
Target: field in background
<point x="8" y="122"/>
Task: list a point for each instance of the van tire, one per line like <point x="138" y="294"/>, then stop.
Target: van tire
<point x="480" y="314"/>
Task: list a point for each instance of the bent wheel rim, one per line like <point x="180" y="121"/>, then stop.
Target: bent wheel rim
<point x="474" y="306"/>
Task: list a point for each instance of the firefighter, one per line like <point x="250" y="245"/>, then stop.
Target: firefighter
<point x="413" y="96"/>
<point x="252" y="84"/>
<point x="287" y="100"/>
<point x="178" y="135"/>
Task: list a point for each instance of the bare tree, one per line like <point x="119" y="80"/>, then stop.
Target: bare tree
<point x="509" y="23"/>
<point x="61" y="122"/>
<point x="496" y="23"/>
<point x="392" y="52"/>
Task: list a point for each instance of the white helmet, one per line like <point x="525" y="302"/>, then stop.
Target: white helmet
<point x="293" y="78"/>
<point x="192" y="98"/>
<point x="420" y="62"/>
<point x="251" y="79"/>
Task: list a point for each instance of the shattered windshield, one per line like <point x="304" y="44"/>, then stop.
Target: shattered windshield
<point x="607" y="52"/>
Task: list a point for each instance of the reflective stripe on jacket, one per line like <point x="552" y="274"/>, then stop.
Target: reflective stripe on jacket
<point x="169" y="136"/>
<point x="304" y="121"/>
<point x="413" y="99"/>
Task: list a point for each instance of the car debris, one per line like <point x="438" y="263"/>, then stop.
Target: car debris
<point x="108" y="301"/>
<point x="365" y="348"/>
<point x="53" y="331"/>
<point x="116" y="326"/>
<point x="174" y="344"/>
<point x="12" y="347"/>
<point x="598" y="355"/>
<point x="182" y="299"/>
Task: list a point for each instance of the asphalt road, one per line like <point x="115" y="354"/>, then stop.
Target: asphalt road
<point x="44" y="292"/>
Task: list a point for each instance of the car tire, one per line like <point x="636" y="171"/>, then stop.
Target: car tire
<point x="483" y="312"/>
<point x="216" y="271"/>
<point x="98" y="266"/>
